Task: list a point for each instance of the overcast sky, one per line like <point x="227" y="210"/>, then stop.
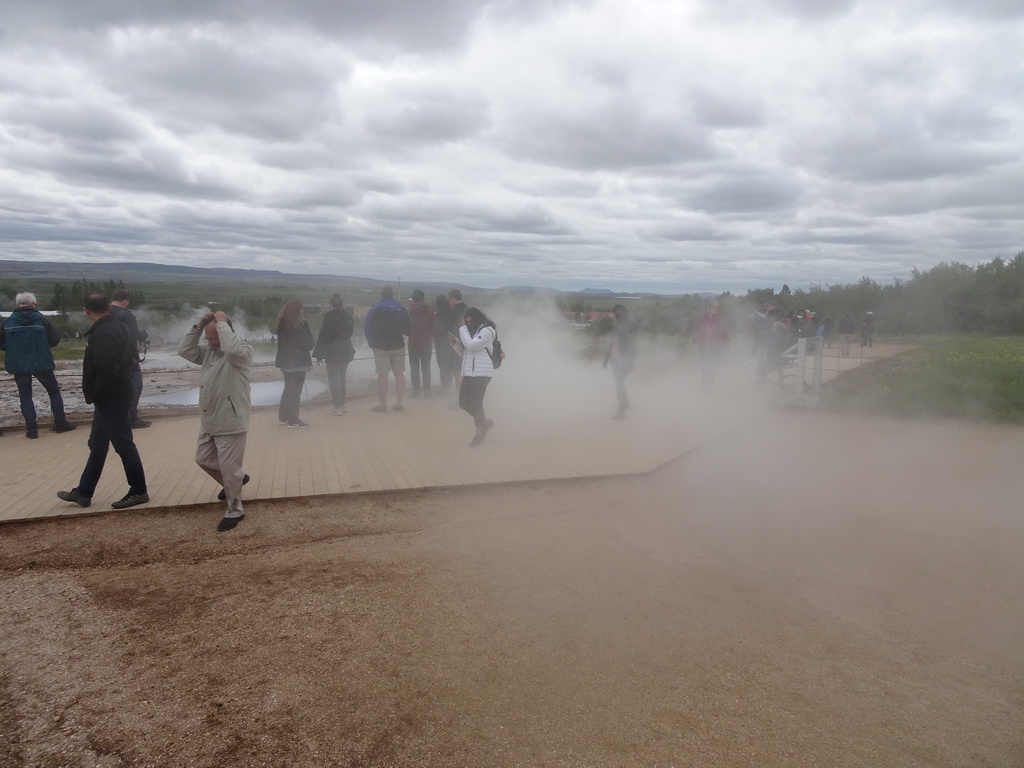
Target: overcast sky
<point x="677" y="146"/>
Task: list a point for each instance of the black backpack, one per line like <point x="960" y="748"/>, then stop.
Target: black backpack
<point x="496" y="353"/>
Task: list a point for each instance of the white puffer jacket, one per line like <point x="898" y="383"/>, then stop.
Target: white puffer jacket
<point x="475" y="351"/>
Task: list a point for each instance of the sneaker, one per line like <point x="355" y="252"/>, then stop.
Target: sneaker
<point x="67" y="426"/>
<point x="222" y="496"/>
<point x="338" y="411"/>
<point x="141" y="424"/>
<point x="32" y="434"/>
<point x="477" y="441"/>
<point x="130" y="500"/>
<point x="282" y="423"/>
<point x="300" y="424"/>
<point x="379" y="409"/>
<point x="228" y="523"/>
<point x="487" y="427"/>
<point x="397" y="408"/>
<point x="74" y="497"/>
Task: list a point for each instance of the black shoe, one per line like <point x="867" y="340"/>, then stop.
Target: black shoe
<point x="130" y="500"/>
<point x="141" y="424"/>
<point x="67" y="426"/>
<point x="74" y="497"/>
<point x="222" y="496"/>
<point x="300" y="424"/>
<point x="228" y="523"/>
<point x="32" y="434"/>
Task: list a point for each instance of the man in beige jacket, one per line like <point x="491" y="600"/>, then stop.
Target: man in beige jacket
<point x="224" y="407"/>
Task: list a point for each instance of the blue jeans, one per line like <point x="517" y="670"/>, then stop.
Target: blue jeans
<point x="133" y="410"/>
<point x="111" y="425"/>
<point x="28" y="408"/>
<point x="336" y="381"/>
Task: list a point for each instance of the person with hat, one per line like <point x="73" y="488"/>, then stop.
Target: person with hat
<point x="26" y="338"/>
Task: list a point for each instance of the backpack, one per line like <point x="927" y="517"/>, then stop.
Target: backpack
<point x="496" y="353"/>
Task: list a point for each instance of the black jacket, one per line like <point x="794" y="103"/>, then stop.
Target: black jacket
<point x="334" y="344"/>
<point x="293" y="348"/>
<point x="111" y="356"/>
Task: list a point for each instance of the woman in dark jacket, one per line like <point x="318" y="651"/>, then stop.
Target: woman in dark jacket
<point x="442" y="349"/>
<point x="334" y="347"/>
<point x="294" y="341"/>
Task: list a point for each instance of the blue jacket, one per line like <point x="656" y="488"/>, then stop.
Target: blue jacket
<point x="26" y="338"/>
<point x="386" y="324"/>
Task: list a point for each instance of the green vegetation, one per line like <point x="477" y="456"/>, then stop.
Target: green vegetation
<point x="973" y="377"/>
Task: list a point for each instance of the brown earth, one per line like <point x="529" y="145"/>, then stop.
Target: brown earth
<point x="821" y="591"/>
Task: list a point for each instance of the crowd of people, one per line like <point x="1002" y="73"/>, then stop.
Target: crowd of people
<point x="462" y="340"/>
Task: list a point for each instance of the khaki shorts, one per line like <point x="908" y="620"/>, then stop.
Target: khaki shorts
<point x="389" y="360"/>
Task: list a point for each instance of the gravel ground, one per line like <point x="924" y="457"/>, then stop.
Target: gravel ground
<point x="826" y="591"/>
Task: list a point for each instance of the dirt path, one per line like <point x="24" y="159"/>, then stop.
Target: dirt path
<point x="823" y="591"/>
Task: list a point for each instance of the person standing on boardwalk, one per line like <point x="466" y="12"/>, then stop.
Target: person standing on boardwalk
<point x="119" y="309"/>
<point x="475" y="343"/>
<point x="867" y="330"/>
<point x="847" y="326"/>
<point x="621" y="354"/>
<point x="456" y="319"/>
<point x="224" y="407"/>
<point x="421" y="338"/>
<point x="26" y="338"/>
<point x="334" y="347"/>
<point x="107" y="385"/>
<point x="442" y="349"/>
<point x="710" y="338"/>
<point x="294" y="341"/>
<point x="385" y="327"/>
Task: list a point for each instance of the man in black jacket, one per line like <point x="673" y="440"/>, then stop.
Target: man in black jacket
<point x="107" y="385"/>
<point x="119" y="309"/>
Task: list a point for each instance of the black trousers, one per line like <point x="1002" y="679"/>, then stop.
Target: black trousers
<point x="471" y="397"/>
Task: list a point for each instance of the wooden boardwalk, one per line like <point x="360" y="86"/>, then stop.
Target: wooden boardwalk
<point x="544" y="430"/>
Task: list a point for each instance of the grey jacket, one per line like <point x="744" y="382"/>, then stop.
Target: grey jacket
<point x="224" y="393"/>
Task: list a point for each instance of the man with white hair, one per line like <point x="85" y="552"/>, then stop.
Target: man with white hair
<point x="26" y="338"/>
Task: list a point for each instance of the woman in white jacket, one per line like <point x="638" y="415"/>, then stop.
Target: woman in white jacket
<point x="477" y="334"/>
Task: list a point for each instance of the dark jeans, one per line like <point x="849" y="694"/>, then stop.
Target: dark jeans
<point x="419" y="360"/>
<point x="288" y="411"/>
<point x="28" y="408"/>
<point x="133" y="409"/>
<point x="111" y="426"/>
<point x="336" y="381"/>
<point x="471" y="397"/>
<point x="444" y="353"/>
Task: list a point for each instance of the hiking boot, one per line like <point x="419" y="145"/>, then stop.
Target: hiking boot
<point x="74" y="497"/>
<point x="130" y="500"/>
<point x="228" y="523"/>
<point x="67" y="426"/>
<point x="222" y="496"/>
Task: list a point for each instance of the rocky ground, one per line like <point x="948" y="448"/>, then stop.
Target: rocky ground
<point x="820" y="591"/>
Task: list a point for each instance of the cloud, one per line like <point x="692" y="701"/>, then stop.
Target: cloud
<point x="681" y="147"/>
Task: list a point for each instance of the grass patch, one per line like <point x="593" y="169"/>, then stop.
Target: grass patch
<point x="971" y="377"/>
